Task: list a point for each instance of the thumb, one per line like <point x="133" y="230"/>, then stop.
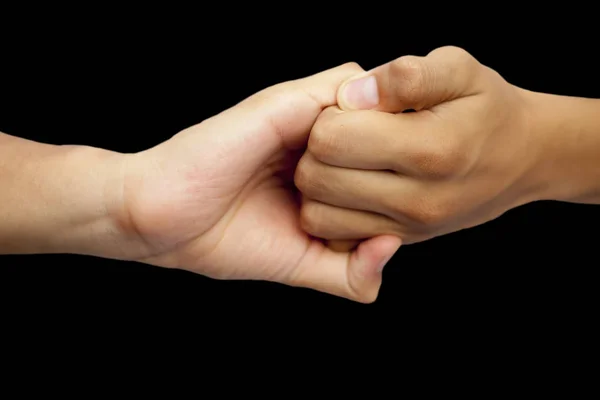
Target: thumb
<point x="411" y="82"/>
<point x="355" y="276"/>
<point x="279" y="116"/>
<point x="290" y="109"/>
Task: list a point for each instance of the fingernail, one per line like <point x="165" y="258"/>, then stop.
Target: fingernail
<point x="361" y="93"/>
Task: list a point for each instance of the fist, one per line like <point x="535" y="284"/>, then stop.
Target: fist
<point x="218" y="198"/>
<point x="460" y="159"/>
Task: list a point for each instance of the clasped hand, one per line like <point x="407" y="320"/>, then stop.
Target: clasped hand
<point x="257" y="191"/>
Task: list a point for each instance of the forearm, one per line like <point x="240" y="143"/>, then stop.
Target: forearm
<point x="567" y="130"/>
<point x="60" y="199"/>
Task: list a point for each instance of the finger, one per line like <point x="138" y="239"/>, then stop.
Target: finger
<point x="412" y="82"/>
<point x="412" y="144"/>
<point x="281" y="115"/>
<point x="342" y="245"/>
<point x="355" y="276"/>
<point x="373" y="191"/>
<point x="288" y="110"/>
<point x="329" y="222"/>
<point x="366" y="139"/>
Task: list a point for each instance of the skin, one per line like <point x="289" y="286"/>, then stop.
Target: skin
<point x="216" y="199"/>
<point x="219" y="198"/>
<point x="476" y="147"/>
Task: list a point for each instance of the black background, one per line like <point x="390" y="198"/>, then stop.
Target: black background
<point x="128" y="82"/>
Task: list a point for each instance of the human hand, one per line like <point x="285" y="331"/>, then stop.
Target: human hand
<point x="218" y="198"/>
<point x="463" y="158"/>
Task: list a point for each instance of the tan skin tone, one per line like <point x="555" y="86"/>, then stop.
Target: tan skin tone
<point x="476" y="147"/>
<point x="219" y="199"/>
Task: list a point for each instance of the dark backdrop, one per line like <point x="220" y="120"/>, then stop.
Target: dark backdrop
<point x="122" y="86"/>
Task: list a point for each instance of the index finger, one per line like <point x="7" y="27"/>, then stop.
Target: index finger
<point x="375" y="140"/>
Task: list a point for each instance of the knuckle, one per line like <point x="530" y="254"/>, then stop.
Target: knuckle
<point x="411" y="74"/>
<point x="311" y="219"/>
<point x="302" y="175"/>
<point x="454" y="53"/>
<point x="443" y="158"/>
<point x="451" y="50"/>
<point x="457" y="56"/>
<point x="352" y="67"/>
<point x="324" y="138"/>
<point x="307" y="178"/>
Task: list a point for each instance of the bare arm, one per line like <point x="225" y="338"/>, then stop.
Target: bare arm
<point x="60" y="199"/>
<point x="68" y="199"/>
<point x="568" y="130"/>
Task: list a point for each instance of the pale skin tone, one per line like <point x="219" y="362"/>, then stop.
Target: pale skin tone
<point x="219" y="199"/>
<point x="216" y="199"/>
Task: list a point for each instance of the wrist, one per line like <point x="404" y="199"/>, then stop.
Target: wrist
<point x="533" y="184"/>
<point x="61" y="199"/>
<point x="95" y="223"/>
<point x="565" y="132"/>
<point x="103" y="227"/>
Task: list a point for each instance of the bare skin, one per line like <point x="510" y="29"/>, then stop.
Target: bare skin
<point x="216" y="199"/>
<point x="476" y="147"/>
